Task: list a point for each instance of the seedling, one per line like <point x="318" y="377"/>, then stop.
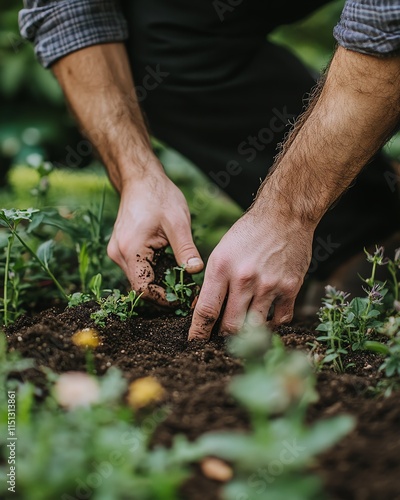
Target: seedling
<point x="122" y="306"/>
<point x="177" y="291"/>
<point x="79" y="298"/>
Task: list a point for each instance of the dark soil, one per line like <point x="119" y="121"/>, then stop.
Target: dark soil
<point x="365" y="465"/>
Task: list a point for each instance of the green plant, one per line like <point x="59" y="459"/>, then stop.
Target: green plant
<point x="350" y="324"/>
<point x="11" y="219"/>
<point x="271" y="460"/>
<point x="28" y="240"/>
<point x="86" y="231"/>
<point x="122" y="306"/>
<point x="10" y="363"/>
<point x="177" y="291"/>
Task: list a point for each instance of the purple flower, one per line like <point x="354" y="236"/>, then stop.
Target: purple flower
<point x="374" y="294"/>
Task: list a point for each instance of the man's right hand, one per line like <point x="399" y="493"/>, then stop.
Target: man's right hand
<point x="153" y="213"/>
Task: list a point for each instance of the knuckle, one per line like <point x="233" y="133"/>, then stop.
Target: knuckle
<point x="246" y="277"/>
<point x="197" y="334"/>
<point x="290" y="286"/>
<point x="230" y="327"/>
<point x="267" y="285"/>
<point x="124" y="247"/>
<point x="217" y="264"/>
<point x="206" y="311"/>
<point x="185" y="248"/>
<point x="112" y="251"/>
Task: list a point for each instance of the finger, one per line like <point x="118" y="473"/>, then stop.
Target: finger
<point x="257" y="314"/>
<point x="140" y="274"/>
<point x="185" y="251"/>
<point x="283" y="312"/>
<point x="235" y="311"/>
<point x="208" y="307"/>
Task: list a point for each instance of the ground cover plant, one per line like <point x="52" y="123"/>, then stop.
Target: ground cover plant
<point x="113" y="402"/>
<point x="369" y="323"/>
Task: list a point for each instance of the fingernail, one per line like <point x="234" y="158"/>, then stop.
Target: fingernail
<point x="194" y="262"/>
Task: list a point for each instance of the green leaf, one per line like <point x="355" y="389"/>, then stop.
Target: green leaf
<point x="171" y="297"/>
<point x="170" y="278"/>
<point x="45" y="252"/>
<point x="378" y="347"/>
<point x="359" y="305"/>
<point x="374" y="313"/>
<point x="330" y="357"/>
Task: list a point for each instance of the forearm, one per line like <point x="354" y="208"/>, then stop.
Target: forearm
<point x="346" y="123"/>
<point x="98" y="85"/>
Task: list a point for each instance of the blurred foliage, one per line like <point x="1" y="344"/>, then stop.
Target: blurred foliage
<point x="311" y="39"/>
<point x="19" y="71"/>
<point x="33" y="115"/>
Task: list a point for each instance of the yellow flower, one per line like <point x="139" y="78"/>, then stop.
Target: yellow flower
<point x="144" y="391"/>
<point x="88" y="337"/>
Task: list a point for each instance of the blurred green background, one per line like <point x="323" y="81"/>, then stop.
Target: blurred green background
<point x="34" y="121"/>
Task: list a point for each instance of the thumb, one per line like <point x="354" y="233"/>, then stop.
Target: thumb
<point x="185" y="250"/>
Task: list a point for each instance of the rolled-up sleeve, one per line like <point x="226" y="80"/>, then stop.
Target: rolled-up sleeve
<point x="59" y="27"/>
<point x="370" y="27"/>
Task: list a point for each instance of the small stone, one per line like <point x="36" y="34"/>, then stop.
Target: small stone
<point x="19" y="338"/>
<point x="74" y="389"/>
<point x="216" y="469"/>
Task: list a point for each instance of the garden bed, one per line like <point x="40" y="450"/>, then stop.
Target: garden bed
<point x="363" y="465"/>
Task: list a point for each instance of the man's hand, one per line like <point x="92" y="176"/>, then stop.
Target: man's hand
<point x="260" y="262"/>
<point x="98" y="84"/>
<point x="153" y="213"/>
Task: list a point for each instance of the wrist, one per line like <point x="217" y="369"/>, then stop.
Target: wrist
<point x="130" y="172"/>
<point x="287" y="206"/>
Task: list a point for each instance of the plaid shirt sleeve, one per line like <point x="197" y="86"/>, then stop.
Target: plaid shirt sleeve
<point x="59" y="27"/>
<point x="370" y="26"/>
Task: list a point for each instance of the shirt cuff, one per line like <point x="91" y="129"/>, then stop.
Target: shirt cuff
<point x="58" y="28"/>
<point x="370" y="27"/>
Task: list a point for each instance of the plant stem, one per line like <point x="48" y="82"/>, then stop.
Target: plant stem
<point x="392" y="271"/>
<point x="90" y="362"/>
<point x="371" y="280"/>
<point x="6" y="277"/>
<point x="42" y="265"/>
